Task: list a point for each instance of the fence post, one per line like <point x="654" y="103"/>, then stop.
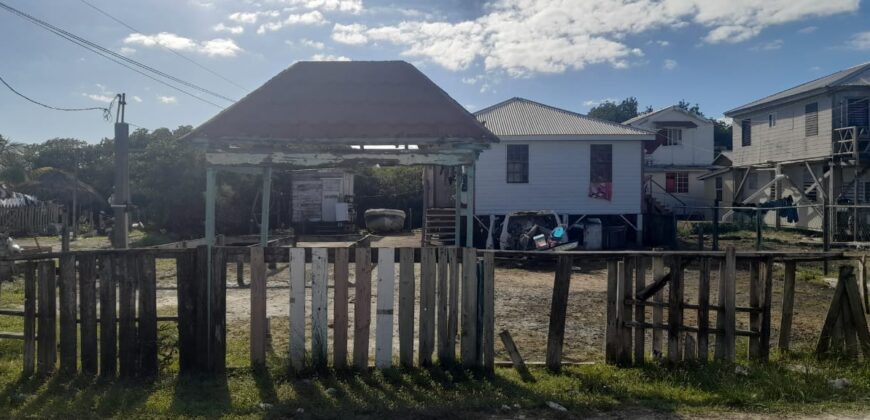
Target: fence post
<point x="675" y="310"/>
<point x="406" y="307"/>
<point x="787" y="306"/>
<point x="46" y="330"/>
<point x="319" y="304"/>
<point x="764" y="354"/>
<point x="625" y="314"/>
<point x="186" y="279"/>
<point x="489" y="312"/>
<point x="427" y="305"/>
<point x="88" y="311"/>
<point x="755" y="296"/>
<point x="258" y="305"/>
<point x="468" y="343"/>
<point x="362" y="307"/>
<point x="725" y="345"/>
<point x="639" y="312"/>
<point x="658" y="271"/>
<point x="704" y="310"/>
<point x="128" y="347"/>
<point x="386" y="287"/>
<point x="297" y="307"/>
<point x="442" y="299"/>
<point x="218" y="330"/>
<point x="29" y="317"/>
<point x="147" y="328"/>
<point x="340" y="316"/>
<point x="611" y="340"/>
<point x="558" y="312"/>
<point x="68" y="330"/>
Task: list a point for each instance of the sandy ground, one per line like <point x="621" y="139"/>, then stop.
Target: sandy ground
<point x="522" y="303"/>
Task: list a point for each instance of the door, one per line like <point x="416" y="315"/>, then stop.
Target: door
<point x="330" y="192"/>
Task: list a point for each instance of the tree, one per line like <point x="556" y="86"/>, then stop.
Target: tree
<point x="695" y="109"/>
<point x="616" y="112"/>
<point x="13" y="165"/>
<point x="721" y="136"/>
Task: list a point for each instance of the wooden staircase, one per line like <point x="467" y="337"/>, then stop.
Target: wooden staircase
<point x="439" y="227"/>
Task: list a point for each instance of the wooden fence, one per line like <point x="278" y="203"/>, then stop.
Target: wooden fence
<point x="38" y="219"/>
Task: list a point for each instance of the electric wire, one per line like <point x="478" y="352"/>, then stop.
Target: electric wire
<point x="107" y="113"/>
<point x="115" y="57"/>
<point x="192" y="61"/>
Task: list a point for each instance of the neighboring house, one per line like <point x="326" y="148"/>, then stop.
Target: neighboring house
<point x="682" y="152"/>
<point x="551" y="159"/>
<point x="809" y="143"/>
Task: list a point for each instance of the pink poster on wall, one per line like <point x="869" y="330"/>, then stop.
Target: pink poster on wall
<point x="602" y="190"/>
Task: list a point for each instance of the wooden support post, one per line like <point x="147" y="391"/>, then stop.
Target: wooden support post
<point x="515" y="356"/>
<point x="362" y="308"/>
<point x="406" y="307"/>
<point x="468" y="342"/>
<point x="384" y="327"/>
<point x="675" y="310"/>
<point x="319" y="307"/>
<point x="558" y="312"/>
<point x="764" y="350"/>
<point x="489" y="312"/>
<point x="787" y="306"/>
<point x="68" y="331"/>
<point x="469" y="207"/>
<point x="704" y="310"/>
<point x="88" y="310"/>
<point x="29" y="318"/>
<point x="297" y="308"/>
<point x="755" y="296"/>
<point x="658" y="271"/>
<point x="611" y="341"/>
<point x="340" y="315"/>
<point x="639" y="312"/>
<point x="427" y="305"/>
<point x="258" y="308"/>
<point x="147" y="325"/>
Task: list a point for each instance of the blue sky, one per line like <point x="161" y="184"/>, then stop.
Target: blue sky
<point x="567" y="53"/>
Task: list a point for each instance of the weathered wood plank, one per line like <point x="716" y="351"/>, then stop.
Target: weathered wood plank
<point x="185" y="268"/>
<point x="755" y="297"/>
<point x="453" y="303"/>
<point x="658" y="271"/>
<point x="108" y="316"/>
<point x="639" y="312"/>
<point x="258" y="308"/>
<point x="128" y="346"/>
<point x="766" y="303"/>
<point x="218" y="324"/>
<point x="832" y="316"/>
<point x="515" y="356"/>
<point x="68" y="330"/>
<point x="625" y="311"/>
<point x="406" y="307"/>
<point x="319" y="308"/>
<point x="489" y="312"/>
<point x="611" y="336"/>
<point x="558" y="312"/>
<point x="147" y="326"/>
<point x="675" y="310"/>
<point x="859" y="320"/>
<point x="297" y="308"/>
<point x="88" y="310"/>
<point x="362" y="308"/>
<point x="787" y="306"/>
<point x="704" y="310"/>
<point x="730" y="299"/>
<point x="427" y="306"/>
<point x="29" y="318"/>
<point x="442" y="304"/>
<point x="384" y="326"/>
<point x="340" y="300"/>
<point x="468" y="341"/>
<point x="203" y="317"/>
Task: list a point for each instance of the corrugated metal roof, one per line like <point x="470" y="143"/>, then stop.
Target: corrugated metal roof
<point x="672" y="107"/>
<point x="847" y="77"/>
<point x="523" y="117"/>
<point x="380" y="100"/>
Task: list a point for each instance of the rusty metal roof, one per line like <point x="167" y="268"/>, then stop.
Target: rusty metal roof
<point x="523" y="117"/>
<point x="390" y="102"/>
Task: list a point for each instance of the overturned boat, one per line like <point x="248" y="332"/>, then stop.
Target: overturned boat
<point x="384" y="220"/>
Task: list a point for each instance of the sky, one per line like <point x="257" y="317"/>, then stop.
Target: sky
<point x="571" y="54"/>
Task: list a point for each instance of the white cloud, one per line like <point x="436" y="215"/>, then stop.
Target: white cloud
<point x="220" y="27"/>
<point x="329" y="57"/>
<point x="310" y="43"/>
<point x="524" y="37"/>
<point x="313" y="17"/>
<point x="249" y="18"/>
<point x="137" y="99"/>
<point x="808" y="30"/>
<point x="167" y="99"/>
<point x="859" y="41"/>
<point x="471" y="80"/>
<point x="218" y="47"/>
<point x="769" y="46"/>
<point x="347" y="6"/>
<point x="127" y="51"/>
<point x="590" y="103"/>
<point x="99" y="97"/>
<point x="669" y="64"/>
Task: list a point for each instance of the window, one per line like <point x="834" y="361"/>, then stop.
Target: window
<point x="719" y="183"/>
<point x="746" y="132"/>
<point x="677" y="182"/>
<point x="811" y="119"/>
<point x="601" y="171"/>
<point x="866" y="191"/>
<point x="670" y="136"/>
<point x="858" y="112"/>
<point x="771" y="120"/>
<point x="812" y="195"/>
<point x="518" y="164"/>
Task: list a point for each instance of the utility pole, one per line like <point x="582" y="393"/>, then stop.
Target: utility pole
<point x="75" y="194"/>
<point x="121" y="198"/>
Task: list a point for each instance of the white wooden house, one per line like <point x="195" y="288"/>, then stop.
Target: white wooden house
<point x="682" y="152"/>
<point x="560" y="161"/>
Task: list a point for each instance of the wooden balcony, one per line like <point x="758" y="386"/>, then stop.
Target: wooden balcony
<point x="852" y="143"/>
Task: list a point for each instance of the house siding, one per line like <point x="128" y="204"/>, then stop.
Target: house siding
<point x="787" y="140"/>
<point x="558" y="179"/>
<point x="697" y="147"/>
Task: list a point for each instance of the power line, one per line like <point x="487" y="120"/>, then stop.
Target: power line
<point x="192" y="61"/>
<point x="106" y="111"/>
<point x="115" y="57"/>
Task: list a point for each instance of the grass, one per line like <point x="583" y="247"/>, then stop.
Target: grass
<point x="795" y="385"/>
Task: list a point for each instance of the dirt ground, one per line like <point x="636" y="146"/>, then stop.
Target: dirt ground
<point x="522" y="304"/>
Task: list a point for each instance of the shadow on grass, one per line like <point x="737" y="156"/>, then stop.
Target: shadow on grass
<point x="206" y="396"/>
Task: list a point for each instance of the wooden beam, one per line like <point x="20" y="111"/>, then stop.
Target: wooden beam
<point x="348" y="158"/>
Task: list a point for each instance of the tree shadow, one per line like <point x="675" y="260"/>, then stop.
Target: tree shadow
<point x="201" y="395"/>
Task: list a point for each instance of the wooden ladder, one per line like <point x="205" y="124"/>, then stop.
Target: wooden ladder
<point x="439" y="227"/>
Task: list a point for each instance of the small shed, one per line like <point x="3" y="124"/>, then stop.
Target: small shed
<point x="339" y="114"/>
<point x="322" y="197"/>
